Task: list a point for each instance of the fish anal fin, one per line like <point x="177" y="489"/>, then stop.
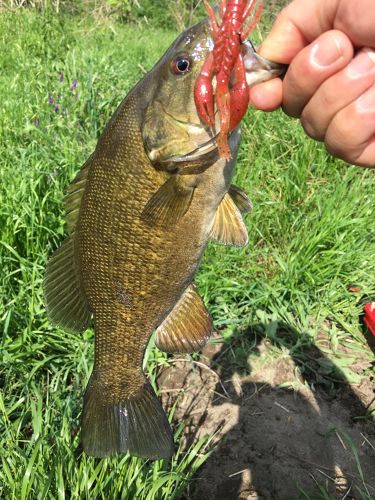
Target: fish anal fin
<point x="133" y="423"/>
<point x="188" y="326"/>
<point x="228" y="226"/>
<point x="73" y="197"/>
<point x="170" y="202"/>
<point x="64" y="298"/>
<point x="241" y="199"/>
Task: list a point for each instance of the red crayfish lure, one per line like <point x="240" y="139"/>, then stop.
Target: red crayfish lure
<point x="226" y="56"/>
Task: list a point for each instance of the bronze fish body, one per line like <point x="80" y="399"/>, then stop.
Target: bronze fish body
<point x="139" y="215"/>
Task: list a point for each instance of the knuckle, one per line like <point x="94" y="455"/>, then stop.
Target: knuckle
<point x="340" y="140"/>
<point x="352" y="129"/>
<point x="310" y="127"/>
<point x="337" y="150"/>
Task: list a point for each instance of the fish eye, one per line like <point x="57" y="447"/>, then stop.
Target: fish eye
<point x="181" y="65"/>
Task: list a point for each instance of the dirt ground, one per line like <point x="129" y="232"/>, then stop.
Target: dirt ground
<point x="279" y="434"/>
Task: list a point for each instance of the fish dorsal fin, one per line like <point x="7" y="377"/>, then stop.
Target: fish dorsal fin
<point x="170" y="202"/>
<point x="64" y="298"/>
<point x="73" y="197"/>
<point x="188" y="326"/>
<point x="228" y="227"/>
<point x="241" y="199"/>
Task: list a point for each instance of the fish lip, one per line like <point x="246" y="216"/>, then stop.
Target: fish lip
<point x="259" y="69"/>
<point x="192" y="162"/>
<point x="192" y="155"/>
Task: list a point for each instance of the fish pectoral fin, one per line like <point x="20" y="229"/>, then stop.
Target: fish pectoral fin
<point x="228" y="226"/>
<point x="73" y="197"/>
<point x="241" y="199"/>
<point x="188" y="326"/>
<point x="64" y="298"/>
<point x="170" y="202"/>
<point x="134" y="423"/>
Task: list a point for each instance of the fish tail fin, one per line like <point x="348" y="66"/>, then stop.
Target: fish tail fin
<point x="137" y="423"/>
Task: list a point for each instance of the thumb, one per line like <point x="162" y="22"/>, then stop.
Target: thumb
<point x="283" y="43"/>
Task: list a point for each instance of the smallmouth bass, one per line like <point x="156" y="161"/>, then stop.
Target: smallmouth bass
<point x="139" y="214"/>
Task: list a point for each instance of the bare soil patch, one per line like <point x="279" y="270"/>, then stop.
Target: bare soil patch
<point x="279" y="434"/>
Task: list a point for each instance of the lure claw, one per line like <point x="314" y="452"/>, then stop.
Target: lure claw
<point x="226" y="57"/>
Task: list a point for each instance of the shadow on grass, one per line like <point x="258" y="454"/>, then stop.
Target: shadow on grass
<point x="304" y="442"/>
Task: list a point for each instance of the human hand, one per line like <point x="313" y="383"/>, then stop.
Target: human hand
<point x="330" y="84"/>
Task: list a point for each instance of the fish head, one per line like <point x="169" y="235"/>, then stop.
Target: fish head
<point x="172" y="131"/>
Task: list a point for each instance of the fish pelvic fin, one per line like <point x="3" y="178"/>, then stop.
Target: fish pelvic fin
<point x="64" y="298"/>
<point x="170" y="202"/>
<point x="136" y="424"/>
<point x="241" y="199"/>
<point x="228" y="227"/>
<point x="188" y="326"/>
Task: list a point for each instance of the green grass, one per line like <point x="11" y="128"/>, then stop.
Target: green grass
<point x="312" y="233"/>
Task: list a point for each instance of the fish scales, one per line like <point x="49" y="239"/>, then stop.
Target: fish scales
<point x="140" y="213"/>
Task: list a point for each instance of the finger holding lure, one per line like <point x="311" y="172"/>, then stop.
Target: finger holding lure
<point x="226" y="57"/>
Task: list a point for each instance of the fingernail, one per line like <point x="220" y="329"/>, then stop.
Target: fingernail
<point x="362" y="64"/>
<point x="325" y="52"/>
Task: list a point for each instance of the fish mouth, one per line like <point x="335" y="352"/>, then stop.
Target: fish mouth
<point x="195" y="161"/>
<point x="202" y="157"/>
<point x="201" y="150"/>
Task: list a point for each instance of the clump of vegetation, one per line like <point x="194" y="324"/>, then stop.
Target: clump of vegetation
<point x="166" y="14"/>
<point x="162" y="14"/>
